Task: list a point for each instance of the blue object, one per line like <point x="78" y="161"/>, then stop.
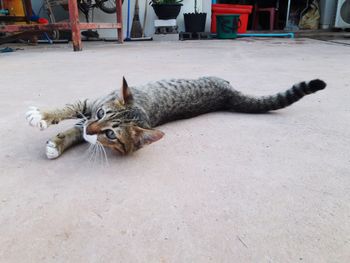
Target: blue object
<point x="4" y="11"/>
<point x="291" y="35"/>
<point x="48" y="38"/>
<point x="6" y="50"/>
<point x="34" y="18"/>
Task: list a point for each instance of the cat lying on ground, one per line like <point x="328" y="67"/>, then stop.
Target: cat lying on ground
<point x="125" y="120"/>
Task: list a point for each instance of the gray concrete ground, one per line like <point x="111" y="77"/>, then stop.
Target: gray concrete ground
<point x="222" y="187"/>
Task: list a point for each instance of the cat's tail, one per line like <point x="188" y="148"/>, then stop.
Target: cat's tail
<point x="248" y="104"/>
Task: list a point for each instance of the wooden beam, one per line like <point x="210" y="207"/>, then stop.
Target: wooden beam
<point x="118" y="4"/>
<point x="74" y="23"/>
<point x="100" y="25"/>
<point x="56" y="26"/>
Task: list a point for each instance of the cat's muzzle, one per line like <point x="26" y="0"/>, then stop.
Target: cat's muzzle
<point x="89" y="138"/>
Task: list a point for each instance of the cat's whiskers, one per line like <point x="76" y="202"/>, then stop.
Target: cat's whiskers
<point x="100" y="154"/>
<point x="103" y="152"/>
<point x="93" y="153"/>
<point x="97" y="155"/>
<point x="88" y="151"/>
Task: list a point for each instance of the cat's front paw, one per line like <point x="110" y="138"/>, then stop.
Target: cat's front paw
<point x="35" y="118"/>
<point x="52" y="151"/>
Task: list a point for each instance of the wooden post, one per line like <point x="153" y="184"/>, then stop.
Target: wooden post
<point x="74" y="23"/>
<point x="118" y="4"/>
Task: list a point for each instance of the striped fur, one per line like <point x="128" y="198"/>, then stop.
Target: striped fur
<point x="168" y="100"/>
<point x="125" y="120"/>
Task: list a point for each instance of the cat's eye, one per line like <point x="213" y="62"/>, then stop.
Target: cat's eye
<point x="110" y="134"/>
<point x="100" y="113"/>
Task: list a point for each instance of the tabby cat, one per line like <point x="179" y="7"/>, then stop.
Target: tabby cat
<point x="125" y="122"/>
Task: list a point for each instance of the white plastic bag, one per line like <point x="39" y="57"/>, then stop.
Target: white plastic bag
<point x="311" y="19"/>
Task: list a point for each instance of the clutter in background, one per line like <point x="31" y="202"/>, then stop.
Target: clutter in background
<point x="311" y="18"/>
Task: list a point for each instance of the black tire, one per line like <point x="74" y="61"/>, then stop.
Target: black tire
<point x="107" y="6"/>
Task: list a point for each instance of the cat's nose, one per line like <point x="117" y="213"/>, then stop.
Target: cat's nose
<point x="92" y="129"/>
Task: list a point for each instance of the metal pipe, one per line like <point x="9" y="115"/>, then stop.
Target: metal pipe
<point x="291" y="35"/>
<point x="287" y="17"/>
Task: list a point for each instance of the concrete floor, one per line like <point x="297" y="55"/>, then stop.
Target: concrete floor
<point x="222" y="187"/>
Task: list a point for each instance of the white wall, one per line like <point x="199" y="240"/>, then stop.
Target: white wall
<point x="206" y="7"/>
<point x="99" y="16"/>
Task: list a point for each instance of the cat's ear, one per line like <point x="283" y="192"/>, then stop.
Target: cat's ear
<point x="126" y="96"/>
<point x="144" y="137"/>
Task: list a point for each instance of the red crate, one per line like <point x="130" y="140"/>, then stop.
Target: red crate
<point x="243" y="10"/>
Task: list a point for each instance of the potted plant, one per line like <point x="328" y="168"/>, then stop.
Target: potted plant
<point x="195" y="22"/>
<point x="166" y="9"/>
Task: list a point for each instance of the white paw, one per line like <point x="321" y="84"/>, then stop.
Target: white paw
<point x="52" y="151"/>
<point x="35" y="118"/>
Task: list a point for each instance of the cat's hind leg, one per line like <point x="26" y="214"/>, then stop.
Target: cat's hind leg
<point x="62" y="141"/>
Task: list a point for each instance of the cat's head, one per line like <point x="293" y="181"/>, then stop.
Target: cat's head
<point x="114" y="125"/>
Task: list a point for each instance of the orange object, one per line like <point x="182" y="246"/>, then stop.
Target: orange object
<point x="220" y="9"/>
<point x="15" y="7"/>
